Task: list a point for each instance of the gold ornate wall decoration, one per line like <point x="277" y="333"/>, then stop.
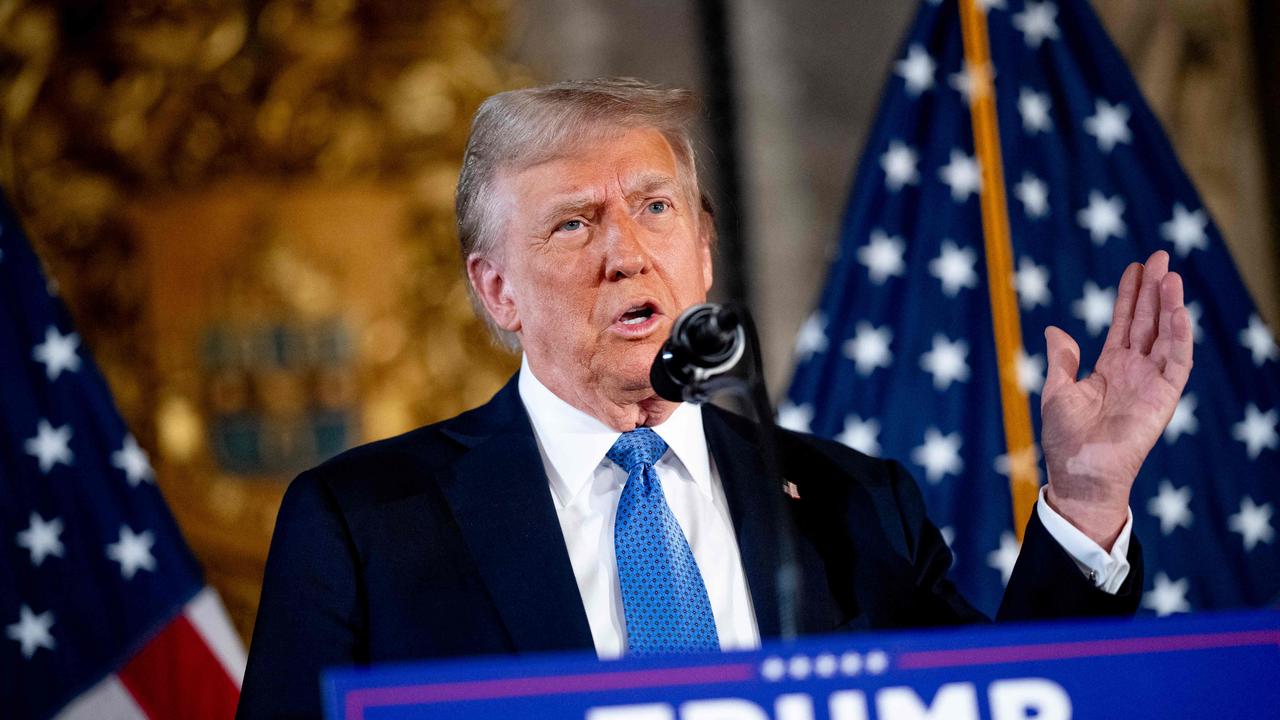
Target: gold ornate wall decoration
<point x="197" y="172"/>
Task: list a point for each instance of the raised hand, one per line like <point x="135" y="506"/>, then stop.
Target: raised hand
<point x="1097" y="431"/>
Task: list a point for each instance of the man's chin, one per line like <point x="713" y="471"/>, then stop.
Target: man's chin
<point x="629" y="373"/>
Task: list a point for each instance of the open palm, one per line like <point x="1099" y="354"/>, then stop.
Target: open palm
<point x="1097" y="431"/>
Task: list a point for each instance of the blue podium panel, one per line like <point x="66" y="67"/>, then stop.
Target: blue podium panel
<point x="1219" y="666"/>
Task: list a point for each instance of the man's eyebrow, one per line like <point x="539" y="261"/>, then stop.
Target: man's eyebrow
<point x="580" y="203"/>
<point x="650" y="182"/>
<point x="576" y="204"/>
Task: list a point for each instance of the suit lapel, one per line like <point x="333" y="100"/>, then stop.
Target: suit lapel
<point x="500" y="498"/>
<point x="741" y="471"/>
<point x="814" y="522"/>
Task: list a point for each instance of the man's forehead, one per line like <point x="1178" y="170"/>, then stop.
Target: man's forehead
<point x="630" y="183"/>
<point x="632" y="163"/>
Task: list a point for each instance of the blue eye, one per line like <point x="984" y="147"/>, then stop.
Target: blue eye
<point x="658" y="207"/>
<point x="571" y="225"/>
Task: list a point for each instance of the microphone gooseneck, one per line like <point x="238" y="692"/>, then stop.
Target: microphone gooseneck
<point x="706" y="343"/>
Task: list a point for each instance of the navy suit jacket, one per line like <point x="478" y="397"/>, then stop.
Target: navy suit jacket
<point x="444" y="542"/>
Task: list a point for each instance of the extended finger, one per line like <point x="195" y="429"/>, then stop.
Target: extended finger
<point x="1064" y="360"/>
<point x="1173" y="347"/>
<point x="1146" y="312"/>
<point x="1122" y="313"/>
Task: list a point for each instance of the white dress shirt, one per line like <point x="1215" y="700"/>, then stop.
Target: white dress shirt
<point x="586" y="485"/>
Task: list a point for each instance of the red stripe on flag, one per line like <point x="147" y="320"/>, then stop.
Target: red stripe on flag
<point x="177" y="675"/>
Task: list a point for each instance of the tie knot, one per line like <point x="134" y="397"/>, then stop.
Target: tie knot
<point x="641" y="446"/>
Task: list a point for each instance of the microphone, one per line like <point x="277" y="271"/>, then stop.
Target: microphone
<point x="706" y="341"/>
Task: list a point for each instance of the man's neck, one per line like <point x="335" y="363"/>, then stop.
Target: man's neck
<point x="623" y="410"/>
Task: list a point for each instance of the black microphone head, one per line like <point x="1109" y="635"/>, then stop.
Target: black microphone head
<point x="666" y="386"/>
<point x="712" y="333"/>
<point x="706" y="341"/>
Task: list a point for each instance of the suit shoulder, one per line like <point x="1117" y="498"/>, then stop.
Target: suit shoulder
<point x="803" y="451"/>
<point x="868" y="469"/>
<point x="384" y="469"/>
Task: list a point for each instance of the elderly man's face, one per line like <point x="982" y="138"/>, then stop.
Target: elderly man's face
<point x="602" y="250"/>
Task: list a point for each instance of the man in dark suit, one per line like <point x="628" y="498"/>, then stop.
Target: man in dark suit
<point x="545" y="519"/>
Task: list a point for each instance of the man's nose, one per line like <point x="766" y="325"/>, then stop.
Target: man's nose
<point x="625" y="254"/>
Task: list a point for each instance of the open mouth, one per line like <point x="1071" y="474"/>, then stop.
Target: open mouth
<point x="637" y="315"/>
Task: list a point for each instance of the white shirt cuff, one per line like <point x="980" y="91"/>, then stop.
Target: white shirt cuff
<point x="1106" y="570"/>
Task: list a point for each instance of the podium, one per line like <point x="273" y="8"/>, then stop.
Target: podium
<point x="1193" y="666"/>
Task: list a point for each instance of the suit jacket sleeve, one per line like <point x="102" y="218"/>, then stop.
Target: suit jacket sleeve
<point x="1046" y="582"/>
<point x="311" y="613"/>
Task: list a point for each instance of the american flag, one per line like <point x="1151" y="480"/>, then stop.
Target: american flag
<point x="899" y="359"/>
<point x="103" y="607"/>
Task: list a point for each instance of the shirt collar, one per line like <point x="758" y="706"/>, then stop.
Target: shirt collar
<point x="574" y="443"/>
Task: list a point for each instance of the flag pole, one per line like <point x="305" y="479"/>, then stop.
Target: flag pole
<point x="1024" y="472"/>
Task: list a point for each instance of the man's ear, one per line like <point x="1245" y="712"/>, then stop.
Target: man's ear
<point x="489" y="280"/>
<point x="707" y="239"/>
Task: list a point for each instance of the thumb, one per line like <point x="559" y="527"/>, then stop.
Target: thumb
<point x="1064" y="360"/>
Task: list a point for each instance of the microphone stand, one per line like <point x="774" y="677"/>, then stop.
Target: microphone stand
<point x="754" y="391"/>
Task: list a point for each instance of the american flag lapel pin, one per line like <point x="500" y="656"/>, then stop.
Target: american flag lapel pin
<point x="791" y="490"/>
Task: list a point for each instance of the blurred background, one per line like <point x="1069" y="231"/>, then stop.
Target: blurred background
<point x="247" y="204"/>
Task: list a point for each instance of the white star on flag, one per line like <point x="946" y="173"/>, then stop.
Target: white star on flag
<point x="972" y="81"/>
<point x="861" y="435"/>
<point x="50" y="446"/>
<point x="1183" y="421"/>
<point x="883" y="256"/>
<point x="1167" y="597"/>
<point x="962" y="175"/>
<point x="1033" y="194"/>
<point x="939" y="455"/>
<point x="1257" y="431"/>
<point x="1034" y="109"/>
<point x="1102" y="217"/>
<point x="795" y="417"/>
<point x="41" y="538"/>
<point x="1172" y="506"/>
<point x="946" y="361"/>
<point x="1005" y="557"/>
<point x="1253" y="522"/>
<point x="916" y="69"/>
<point x="812" y="337"/>
<point x="1030" y="372"/>
<point x="869" y="347"/>
<point x="132" y="459"/>
<point x="899" y="164"/>
<point x="1094" y="308"/>
<point x="1032" y="283"/>
<point x="1037" y="23"/>
<point x="57" y="352"/>
<point x="133" y="551"/>
<point x="1186" y="230"/>
<point x="948" y="534"/>
<point x="32" y="631"/>
<point x="954" y="267"/>
<point x="1109" y="124"/>
<point x="989" y="5"/>
<point x="1258" y="339"/>
<point x="1195" y="311"/>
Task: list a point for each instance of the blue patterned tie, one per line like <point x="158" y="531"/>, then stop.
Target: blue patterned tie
<point x="663" y="596"/>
